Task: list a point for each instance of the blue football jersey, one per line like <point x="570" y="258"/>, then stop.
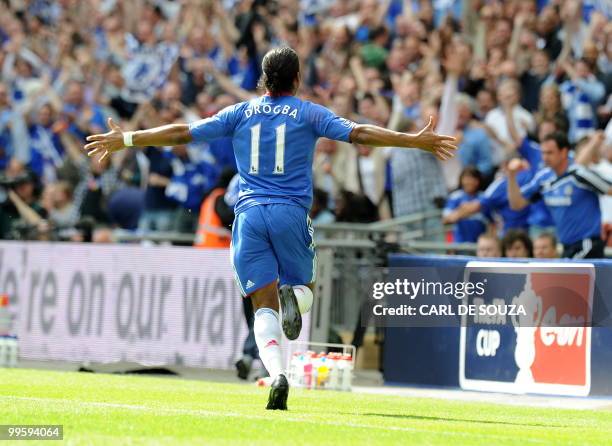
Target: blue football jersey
<point x="495" y="200"/>
<point x="467" y="229"/>
<point x="274" y="140"/>
<point x="539" y="215"/>
<point x="572" y="199"/>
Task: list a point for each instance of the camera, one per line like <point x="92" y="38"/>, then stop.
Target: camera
<point x="7" y="183"/>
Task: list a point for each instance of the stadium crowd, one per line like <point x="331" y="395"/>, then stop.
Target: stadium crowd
<point x="501" y="76"/>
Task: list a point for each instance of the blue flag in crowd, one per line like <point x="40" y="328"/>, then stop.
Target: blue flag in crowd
<point x="147" y="68"/>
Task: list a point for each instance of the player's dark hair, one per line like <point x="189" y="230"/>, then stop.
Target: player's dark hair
<point x="514" y="235"/>
<point x="559" y="138"/>
<point x="280" y="68"/>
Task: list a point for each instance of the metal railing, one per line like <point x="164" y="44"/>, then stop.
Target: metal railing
<point x="347" y="235"/>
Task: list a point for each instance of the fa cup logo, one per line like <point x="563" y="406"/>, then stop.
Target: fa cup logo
<point x="525" y="326"/>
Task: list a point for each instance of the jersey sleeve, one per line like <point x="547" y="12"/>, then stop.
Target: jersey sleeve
<point x="531" y="190"/>
<point x="452" y="203"/>
<point x="494" y="197"/>
<point x="531" y="153"/>
<point x="485" y="210"/>
<point x="327" y="124"/>
<point x="592" y="180"/>
<point x="217" y="126"/>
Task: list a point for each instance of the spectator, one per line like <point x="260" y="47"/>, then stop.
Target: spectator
<point x="545" y="246"/>
<point x="547" y="27"/>
<point x="62" y="210"/>
<point x="368" y="166"/>
<point x="580" y="94"/>
<point x="329" y="168"/>
<point x="159" y="210"/>
<point x="474" y="143"/>
<point x="354" y="208"/>
<point x="125" y="207"/>
<point x="596" y="153"/>
<point x="457" y="112"/>
<point x="574" y="31"/>
<point x="192" y="177"/>
<point x="485" y="102"/>
<point x="488" y="246"/>
<point x="416" y="186"/>
<point x="20" y="212"/>
<point x="533" y="79"/>
<point x="13" y="132"/>
<point x="570" y="193"/>
<point x="467" y="229"/>
<point x="46" y="149"/>
<point x="319" y="213"/>
<point x="82" y="118"/>
<point x="97" y="180"/>
<point x="509" y="122"/>
<point x="539" y="219"/>
<point x="516" y="244"/>
<point x="550" y="109"/>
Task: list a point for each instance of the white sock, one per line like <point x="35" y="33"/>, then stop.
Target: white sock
<point x="304" y="297"/>
<point x="267" y="331"/>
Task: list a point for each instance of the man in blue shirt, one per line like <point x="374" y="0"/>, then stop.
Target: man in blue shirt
<point x="272" y="240"/>
<point x="474" y="145"/>
<point x="571" y="194"/>
<point x="540" y="221"/>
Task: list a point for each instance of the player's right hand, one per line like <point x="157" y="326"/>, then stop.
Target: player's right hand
<point x="105" y="143"/>
<point x="442" y="146"/>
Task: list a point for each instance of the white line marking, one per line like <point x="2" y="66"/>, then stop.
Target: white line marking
<point x="210" y="413"/>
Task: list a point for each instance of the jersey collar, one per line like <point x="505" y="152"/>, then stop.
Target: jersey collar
<point x="283" y="93"/>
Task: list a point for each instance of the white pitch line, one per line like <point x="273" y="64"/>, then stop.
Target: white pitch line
<point x="539" y="401"/>
<point x="210" y="413"/>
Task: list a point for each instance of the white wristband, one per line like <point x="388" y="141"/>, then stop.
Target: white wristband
<point x="127" y="139"/>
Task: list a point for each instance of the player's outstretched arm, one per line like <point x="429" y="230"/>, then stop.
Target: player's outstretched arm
<point x="442" y="146"/>
<point x="116" y="139"/>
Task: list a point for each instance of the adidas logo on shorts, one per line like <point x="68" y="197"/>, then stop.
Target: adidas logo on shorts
<point x="249" y="284"/>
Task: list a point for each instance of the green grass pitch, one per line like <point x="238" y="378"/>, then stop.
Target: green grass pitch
<point x="103" y="409"/>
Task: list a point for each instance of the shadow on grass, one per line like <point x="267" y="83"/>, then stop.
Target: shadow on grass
<point x="457" y="420"/>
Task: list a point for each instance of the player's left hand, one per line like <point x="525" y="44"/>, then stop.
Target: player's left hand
<point x="442" y="146"/>
<point x="106" y="143"/>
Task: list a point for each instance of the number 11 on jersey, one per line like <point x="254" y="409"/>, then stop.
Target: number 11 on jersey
<point x="279" y="159"/>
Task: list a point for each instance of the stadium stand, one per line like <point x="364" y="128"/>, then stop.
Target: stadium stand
<point x="495" y="74"/>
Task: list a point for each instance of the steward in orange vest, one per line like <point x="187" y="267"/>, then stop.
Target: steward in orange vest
<point x="211" y="233"/>
<point x="216" y="216"/>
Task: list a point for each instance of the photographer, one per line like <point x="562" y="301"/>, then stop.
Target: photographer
<point x="20" y="211"/>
